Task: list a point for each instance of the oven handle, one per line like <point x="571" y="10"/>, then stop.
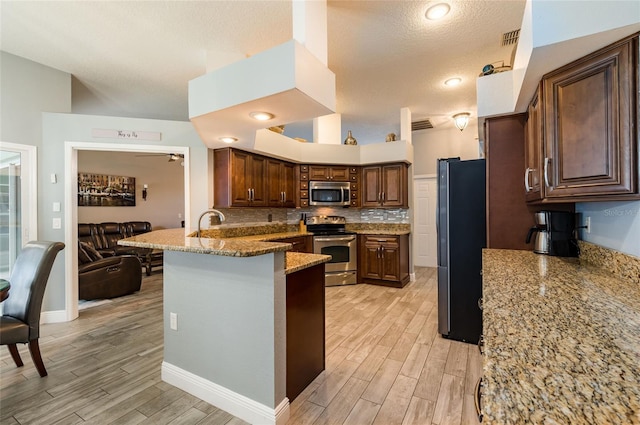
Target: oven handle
<point x="344" y="238"/>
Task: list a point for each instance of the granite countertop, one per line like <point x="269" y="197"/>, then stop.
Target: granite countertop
<point x="175" y="240"/>
<point x="296" y="261"/>
<point x="561" y="342"/>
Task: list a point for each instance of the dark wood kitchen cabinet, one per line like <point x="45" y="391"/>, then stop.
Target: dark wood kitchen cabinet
<point x="590" y="120"/>
<point x="383" y="260"/>
<point x="244" y="179"/>
<point x="509" y="216"/>
<point x="336" y="173"/>
<point x="384" y="186"/>
<point x="281" y="183"/>
<point x="533" y="143"/>
<point x="239" y="179"/>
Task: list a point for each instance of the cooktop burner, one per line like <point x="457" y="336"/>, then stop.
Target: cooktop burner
<point x="327" y="225"/>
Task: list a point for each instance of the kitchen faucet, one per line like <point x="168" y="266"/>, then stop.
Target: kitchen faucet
<point x="211" y="211"/>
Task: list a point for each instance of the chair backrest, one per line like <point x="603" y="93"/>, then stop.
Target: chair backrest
<point x="111" y="233"/>
<point x="88" y="232"/>
<point x="137" y="227"/>
<point x="28" y="280"/>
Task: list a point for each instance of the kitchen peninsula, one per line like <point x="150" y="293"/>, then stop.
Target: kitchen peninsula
<point x="225" y="319"/>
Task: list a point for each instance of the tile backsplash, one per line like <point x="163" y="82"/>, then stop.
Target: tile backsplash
<point x="292" y="216"/>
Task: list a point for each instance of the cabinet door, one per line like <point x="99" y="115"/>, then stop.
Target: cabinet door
<point x="394" y="185"/>
<point x="533" y="148"/>
<point x="339" y="174"/>
<point x="288" y="184"/>
<point x="274" y="183"/>
<point x="319" y="173"/>
<point x="240" y="178"/>
<point x="369" y="267"/>
<point x="390" y="258"/>
<point x="371" y="192"/>
<point x="258" y="182"/>
<point x="590" y="144"/>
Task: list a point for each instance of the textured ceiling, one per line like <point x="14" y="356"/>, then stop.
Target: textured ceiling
<point x="135" y="58"/>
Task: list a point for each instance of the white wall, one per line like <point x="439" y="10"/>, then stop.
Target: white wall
<point x="614" y="225"/>
<point x="28" y="89"/>
<point x="164" y="207"/>
<point x="429" y="145"/>
<point x="61" y="128"/>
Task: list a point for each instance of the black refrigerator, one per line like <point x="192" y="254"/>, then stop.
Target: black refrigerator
<point x="461" y="230"/>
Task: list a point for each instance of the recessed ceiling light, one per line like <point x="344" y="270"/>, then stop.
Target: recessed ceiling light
<point x="261" y="116"/>
<point x="437" y="11"/>
<point x="452" y="82"/>
<point x="228" y="139"/>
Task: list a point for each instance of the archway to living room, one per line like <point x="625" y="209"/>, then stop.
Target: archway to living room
<point x="167" y="188"/>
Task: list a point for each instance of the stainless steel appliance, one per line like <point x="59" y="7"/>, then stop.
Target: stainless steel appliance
<point x="331" y="238"/>
<point x="461" y="229"/>
<point x="329" y="193"/>
<point x="555" y="234"/>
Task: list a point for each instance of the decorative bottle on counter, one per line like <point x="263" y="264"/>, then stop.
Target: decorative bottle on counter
<point x="350" y="140"/>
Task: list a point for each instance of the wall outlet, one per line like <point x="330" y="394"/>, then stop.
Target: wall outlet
<point x="56" y="223"/>
<point x="587" y="224"/>
<point x="173" y="321"/>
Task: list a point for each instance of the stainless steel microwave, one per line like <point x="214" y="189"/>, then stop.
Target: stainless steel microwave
<point x="329" y="193"/>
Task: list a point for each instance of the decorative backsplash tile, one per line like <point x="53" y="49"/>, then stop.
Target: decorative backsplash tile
<point x="354" y="215"/>
<point x="623" y="265"/>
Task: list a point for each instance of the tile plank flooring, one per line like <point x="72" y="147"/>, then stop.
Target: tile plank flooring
<point x="386" y="364"/>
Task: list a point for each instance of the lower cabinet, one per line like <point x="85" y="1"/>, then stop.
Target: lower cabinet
<point x="383" y="260"/>
<point x="300" y="243"/>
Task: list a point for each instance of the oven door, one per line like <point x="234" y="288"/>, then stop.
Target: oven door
<point x="341" y="248"/>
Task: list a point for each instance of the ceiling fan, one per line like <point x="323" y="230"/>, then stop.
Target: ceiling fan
<point x="172" y="156"/>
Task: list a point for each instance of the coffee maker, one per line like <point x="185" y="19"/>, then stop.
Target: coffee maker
<point x="555" y="234"/>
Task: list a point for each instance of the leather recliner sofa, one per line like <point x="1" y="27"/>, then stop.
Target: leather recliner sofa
<point x="106" y="269"/>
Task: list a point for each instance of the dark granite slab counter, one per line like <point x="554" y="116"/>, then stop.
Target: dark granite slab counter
<point x="562" y="342"/>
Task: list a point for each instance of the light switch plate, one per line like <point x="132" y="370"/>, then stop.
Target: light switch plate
<point x="57" y="223"/>
<point x="56" y="207"/>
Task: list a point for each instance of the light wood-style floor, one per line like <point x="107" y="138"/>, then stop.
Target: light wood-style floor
<point x="386" y="364"/>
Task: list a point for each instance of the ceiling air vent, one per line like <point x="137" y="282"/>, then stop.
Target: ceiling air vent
<point x="421" y="125"/>
<point x="511" y="37"/>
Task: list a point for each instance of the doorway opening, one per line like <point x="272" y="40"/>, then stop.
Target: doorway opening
<point x="71" y="196"/>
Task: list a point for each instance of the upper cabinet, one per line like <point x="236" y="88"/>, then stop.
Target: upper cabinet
<point x="336" y="173"/>
<point x="384" y="186"/>
<point x="590" y="147"/>
<point x="243" y="179"/>
<point x="281" y="183"/>
<point x="533" y="148"/>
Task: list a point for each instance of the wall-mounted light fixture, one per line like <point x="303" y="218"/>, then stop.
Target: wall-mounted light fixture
<point x="144" y="191"/>
<point x="461" y="120"/>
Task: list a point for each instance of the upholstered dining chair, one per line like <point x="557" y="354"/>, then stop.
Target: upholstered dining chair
<point x="20" y="320"/>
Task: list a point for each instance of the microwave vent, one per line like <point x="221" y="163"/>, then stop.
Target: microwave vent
<point x="421" y="125"/>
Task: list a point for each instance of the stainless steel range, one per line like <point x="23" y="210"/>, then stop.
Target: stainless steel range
<point x="331" y="238"/>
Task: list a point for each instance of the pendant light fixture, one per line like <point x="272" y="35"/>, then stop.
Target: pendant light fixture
<point x="461" y="120"/>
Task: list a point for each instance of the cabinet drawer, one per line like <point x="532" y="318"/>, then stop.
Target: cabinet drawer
<point x="304" y="185"/>
<point x="304" y="194"/>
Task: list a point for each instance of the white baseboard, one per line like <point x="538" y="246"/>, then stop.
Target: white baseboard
<point x="225" y="399"/>
<point x="56" y="316"/>
<point x="412" y="277"/>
